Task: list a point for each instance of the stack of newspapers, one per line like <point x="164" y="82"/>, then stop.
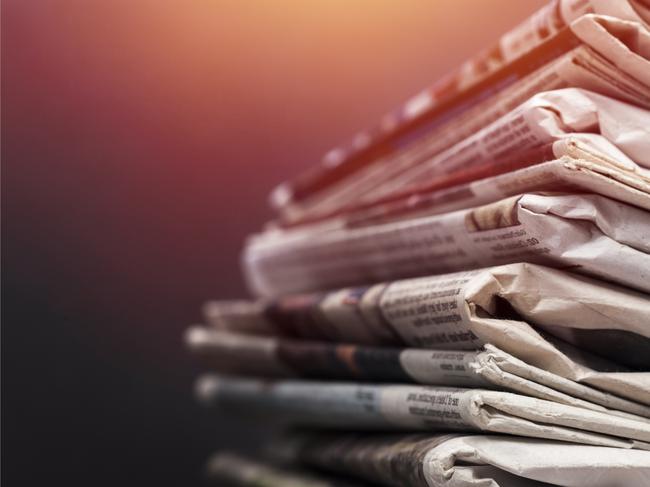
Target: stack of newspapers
<point x="460" y="296"/>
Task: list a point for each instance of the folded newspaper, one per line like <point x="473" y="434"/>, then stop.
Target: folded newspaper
<point x="577" y="171"/>
<point x="600" y="53"/>
<point x="346" y="405"/>
<point x="248" y="355"/>
<point x="437" y="460"/>
<point x="591" y="234"/>
<point x="616" y="131"/>
<point x="608" y="131"/>
<point x="470" y="309"/>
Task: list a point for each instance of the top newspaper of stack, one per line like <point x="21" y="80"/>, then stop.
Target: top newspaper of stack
<point x="483" y="156"/>
<point x="556" y="48"/>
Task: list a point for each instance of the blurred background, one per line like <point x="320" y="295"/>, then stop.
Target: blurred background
<point x="140" y="139"/>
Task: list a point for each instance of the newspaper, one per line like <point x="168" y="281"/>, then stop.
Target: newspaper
<point x="549" y="20"/>
<point x="237" y="470"/>
<point x="468" y="310"/>
<point x="576" y="171"/>
<point x="591" y="234"/>
<point x="240" y="354"/>
<point x="613" y="61"/>
<point x="613" y="132"/>
<point x="439" y="460"/>
<point x="361" y="406"/>
<point x="572" y="166"/>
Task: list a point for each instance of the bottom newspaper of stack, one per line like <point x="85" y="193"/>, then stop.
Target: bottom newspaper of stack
<point x="510" y="375"/>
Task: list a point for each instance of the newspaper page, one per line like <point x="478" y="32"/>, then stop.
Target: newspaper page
<point x="237" y="470"/>
<point x="444" y="460"/>
<point x="482" y="74"/>
<point x="591" y="234"/>
<point x="576" y="171"/>
<point x="537" y="123"/>
<point x="231" y="353"/>
<point x="572" y="166"/>
<point x="616" y="133"/>
<point x="603" y="65"/>
<point x="497" y="305"/>
<point x="362" y="406"/>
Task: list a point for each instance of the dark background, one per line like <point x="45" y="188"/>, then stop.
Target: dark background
<point x="139" y="142"/>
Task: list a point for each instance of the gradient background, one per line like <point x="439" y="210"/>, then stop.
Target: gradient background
<point x="140" y="140"/>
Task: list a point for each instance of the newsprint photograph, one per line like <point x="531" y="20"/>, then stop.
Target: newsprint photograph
<point x="325" y="243"/>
